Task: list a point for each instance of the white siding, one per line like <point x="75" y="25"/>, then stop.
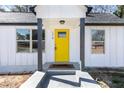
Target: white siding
<point x="74" y="47"/>
<point x="114" y="47"/>
<point x="10" y="60"/>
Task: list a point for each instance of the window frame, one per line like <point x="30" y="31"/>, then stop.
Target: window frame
<point x="30" y="40"/>
<point x="104" y="42"/>
<point x="22" y="40"/>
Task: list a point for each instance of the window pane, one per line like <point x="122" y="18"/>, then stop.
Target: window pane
<point x="98" y="35"/>
<point x="35" y="42"/>
<point x="97" y="47"/>
<point x="43" y="35"/>
<point x="23" y="34"/>
<point x="23" y="46"/>
<point x="34" y="46"/>
<point x="98" y="44"/>
<point x="43" y="45"/>
<point x="34" y="34"/>
<point x="61" y="34"/>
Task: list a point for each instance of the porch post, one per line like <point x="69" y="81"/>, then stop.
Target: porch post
<point x="39" y="31"/>
<point x="82" y="42"/>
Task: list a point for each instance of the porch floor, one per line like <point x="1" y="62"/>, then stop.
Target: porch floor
<point x="63" y="81"/>
<point x="71" y="79"/>
<point x="59" y="66"/>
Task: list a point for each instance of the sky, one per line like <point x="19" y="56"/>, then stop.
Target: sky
<point x="6" y="7"/>
<point x="107" y="8"/>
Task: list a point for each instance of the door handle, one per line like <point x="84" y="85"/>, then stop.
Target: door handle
<point x="55" y="47"/>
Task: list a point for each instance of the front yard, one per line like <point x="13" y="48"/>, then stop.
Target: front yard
<point x="12" y="81"/>
<point x="106" y="79"/>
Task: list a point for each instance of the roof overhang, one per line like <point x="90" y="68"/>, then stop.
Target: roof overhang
<point x="60" y="11"/>
<point x="86" y="24"/>
<point x="104" y="24"/>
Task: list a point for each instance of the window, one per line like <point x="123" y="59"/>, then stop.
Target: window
<point x="23" y="40"/>
<point x="27" y="40"/>
<point x="34" y="40"/>
<point x="61" y="34"/>
<point x="98" y="41"/>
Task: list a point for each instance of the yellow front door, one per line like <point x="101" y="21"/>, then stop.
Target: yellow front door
<point x="62" y="45"/>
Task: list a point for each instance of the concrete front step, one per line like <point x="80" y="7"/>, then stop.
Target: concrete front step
<point x="46" y="66"/>
<point x="61" y="79"/>
<point x="61" y="72"/>
<point x="34" y="80"/>
<point x="86" y="80"/>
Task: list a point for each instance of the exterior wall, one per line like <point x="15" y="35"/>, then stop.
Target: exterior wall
<point x="114" y="47"/>
<point x="74" y="44"/>
<point x="10" y="60"/>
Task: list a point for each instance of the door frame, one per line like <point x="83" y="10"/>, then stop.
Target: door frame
<point x="68" y="44"/>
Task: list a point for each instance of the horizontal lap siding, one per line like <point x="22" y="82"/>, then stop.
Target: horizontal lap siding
<point x="114" y="47"/>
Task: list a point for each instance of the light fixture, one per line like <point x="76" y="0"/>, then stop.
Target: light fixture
<point x="62" y="21"/>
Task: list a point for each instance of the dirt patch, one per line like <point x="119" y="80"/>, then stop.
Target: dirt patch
<point x="12" y="81"/>
<point x="103" y="84"/>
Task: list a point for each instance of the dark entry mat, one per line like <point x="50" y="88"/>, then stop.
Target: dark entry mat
<point x="61" y="66"/>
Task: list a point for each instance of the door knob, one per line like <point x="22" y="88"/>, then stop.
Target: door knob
<point x="55" y="47"/>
